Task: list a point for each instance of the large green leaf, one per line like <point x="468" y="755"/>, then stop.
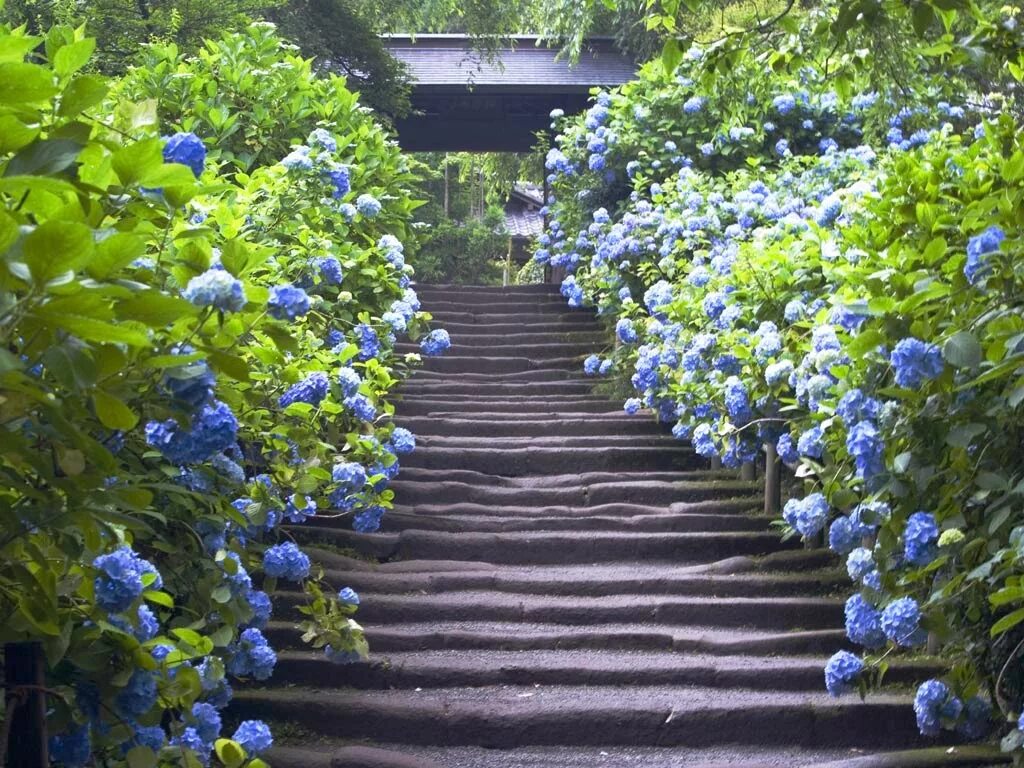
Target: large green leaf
<point x="22" y="83"/>
<point x="83" y="92"/>
<point x="112" y="411"/>
<point x="155" y="308"/>
<point x="56" y="249"/>
<point x="963" y="350"/>
<point x="44" y="158"/>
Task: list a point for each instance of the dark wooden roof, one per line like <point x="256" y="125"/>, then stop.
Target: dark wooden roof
<point x="463" y="101"/>
<point x="523" y="219"/>
<point x="444" y="61"/>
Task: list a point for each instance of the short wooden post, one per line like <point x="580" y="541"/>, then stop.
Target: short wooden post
<point x="748" y="471"/>
<point x="716" y="462"/>
<point x="772" y="481"/>
<point x="25" y="665"/>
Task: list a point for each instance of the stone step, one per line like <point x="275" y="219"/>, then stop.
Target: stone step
<point x="594" y="581"/>
<point x="596" y="440"/>
<point x="500" y="306"/>
<point x="617" y="424"/>
<point x="513" y="716"/>
<point x="736" y="507"/>
<point x="650" y="492"/>
<point x="659" y="523"/>
<point x="549" y="348"/>
<point x="544" y="376"/>
<point x="453" y="319"/>
<point x="428" y="387"/>
<point x="532" y="636"/>
<point x="457" y="289"/>
<point x="463" y="327"/>
<point x="463" y="669"/>
<point x="593" y="340"/>
<point x="554" y="460"/>
<point x="550" y="367"/>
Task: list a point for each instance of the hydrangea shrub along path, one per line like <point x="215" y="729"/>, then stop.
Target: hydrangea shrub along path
<point x="561" y="585"/>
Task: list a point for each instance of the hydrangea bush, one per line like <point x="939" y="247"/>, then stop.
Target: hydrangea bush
<point x="190" y="362"/>
<point x="836" y="280"/>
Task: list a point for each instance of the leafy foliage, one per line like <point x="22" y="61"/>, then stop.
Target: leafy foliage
<point x="185" y="357"/>
<point x="834" y="276"/>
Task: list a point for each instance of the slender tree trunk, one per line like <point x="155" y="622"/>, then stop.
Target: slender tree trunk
<point x="446" y="185"/>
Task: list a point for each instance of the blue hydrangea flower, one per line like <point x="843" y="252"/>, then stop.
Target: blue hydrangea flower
<point x="368" y="205"/>
<point x="863" y="623"/>
<point x="795" y="310"/>
<point x="349" y="381"/>
<point x="920" y="539"/>
<point x="625" y="331"/>
<point x="915" y="362"/>
<point x="901" y="622"/>
<point x="403" y="441"/>
<point x="254" y="737"/>
<point x="784" y="103"/>
<point x="322" y="138"/>
<point x="369" y="342"/>
<point x="786" y="449"/>
<point x="435" y="342"/>
<point x="259" y="602"/>
<point x="859" y="563"/>
<point x="299" y="508"/>
<point x="286" y="561"/>
<point x="151" y="736"/>
<point x="368" y="520"/>
<point x="658" y="295"/>
<point x="693" y="105"/>
<point x="311" y="390"/>
<point x="933" y="703"/>
<point x="348" y="596"/>
<point x="361" y="406"/>
<point x="808" y="515"/>
<point x="138" y="696"/>
<point x="251" y="656"/>
<point x="329" y="269"/>
<point x="811" y="443"/>
<point x="632" y="406"/>
<point x="979" y="248"/>
<point x="72" y="748"/>
<point x="704" y="441"/>
<point x="340" y="655"/>
<point x="977" y="721"/>
<point x="207" y="721"/>
<point x="192" y="383"/>
<point x="187" y="149"/>
<point x="298" y="159"/>
<point x="215" y="288"/>
<point x="213" y="430"/>
<point x="287" y="302"/>
<point x="737" y="401"/>
<point x="841" y="537"/>
<point x="778" y="373"/>
<point x="120" y="581"/>
<point x="339" y="178"/>
<point x="350" y="474"/>
<point x="865" y="445"/>
<point x="592" y="365"/>
<point x="841" y="672"/>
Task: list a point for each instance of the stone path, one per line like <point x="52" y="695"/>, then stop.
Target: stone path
<point x="563" y="585"/>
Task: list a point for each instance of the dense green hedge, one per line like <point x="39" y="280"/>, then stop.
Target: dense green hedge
<point x="203" y="283"/>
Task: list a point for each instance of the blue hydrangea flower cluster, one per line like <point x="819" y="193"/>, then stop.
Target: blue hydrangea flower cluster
<point x="287" y="302"/>
<point x="841" y="672"/>
<point x="286" y="561"/>
<point x="139" y="694"/>
<point x="915" y="362"/>
<point x="863" y="623"/>
<point x="933" y="703"/>
<point x="120" y="581"/>
<point x="186" y="149"/>
<point x="979" y="251"/>
<point x="216" y="288"/>
<point x="901" y="622"/>
<point x="254" y="737"/>
<point x="311" y="390"/>
<point x="920" y="539"/>
<point x="403" y="441"/>
<point x="369" y="342"/>
<point x="435" y="342"/>
<point x="368" y="205"/>
<point x="213" y="430"/>
<point x="808" y="515"/>
<point x="251" y="656"/>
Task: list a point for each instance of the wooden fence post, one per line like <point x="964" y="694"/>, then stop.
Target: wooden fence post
<point x="25" y="665"/>
<point x="748" y="471"/>
<point x="772" y="481"/>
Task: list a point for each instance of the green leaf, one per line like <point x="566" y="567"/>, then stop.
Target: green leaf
<point x="229" y="752"/>
<point x="671" y="56"/>
<point x="44" y="158"/>
<point x="14" y="134"/>
<point x="22" y="83"/>
<point x="158" y="597"/>
<point x="72" y="57"/>
<point x="141" y="757"/>
<point x="232" y="365"/>
<point x="962" y="435"/>
<point x="962" y="350"/>
<point x="56" y="248"/>
<point x="91" y="329"/>
<point x="133" y="162"/>
<point x="1007" y="623"/>
<point x="155" y="308"/>
<point x="112" y="412"/>
<point x="83" y="92"/>
<point x="113" y="253"/>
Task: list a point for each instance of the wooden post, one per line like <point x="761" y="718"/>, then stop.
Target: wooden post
<point x="446" y="185"/>
<point x="716" y="462"/>
<point x="25" y="665"/>
<point x="772" y="481"/>
<point x="748" y="471"/>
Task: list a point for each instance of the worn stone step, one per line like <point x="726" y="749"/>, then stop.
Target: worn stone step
<point x="458" y="317"/>
<point x="658" y="523"/>
<point x="535" y="369"/>
<point x="457" y="289"/>
<point x="554" y="460"/>
<point x="537" y="376"/>
<point x="426" y="387"/>
<point x="735" y="507"/>
<point x="501" y="306"/>
<point x="531" y="636"/>
<point x="448" y="669"/>
<point x="512" y="716"/>
<point x="592" y="340"/>
<point x="596" y="441"/>
<point x="651" y="492"/>
<point x="563" y="325"/>
<point x="544" y="349"/>
<point x="520" y="425"/>
<point x="500" y="407"/>
<point x="594" y="581"/>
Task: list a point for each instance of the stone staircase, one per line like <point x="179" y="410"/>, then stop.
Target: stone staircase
<point x="563" y="585"/>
